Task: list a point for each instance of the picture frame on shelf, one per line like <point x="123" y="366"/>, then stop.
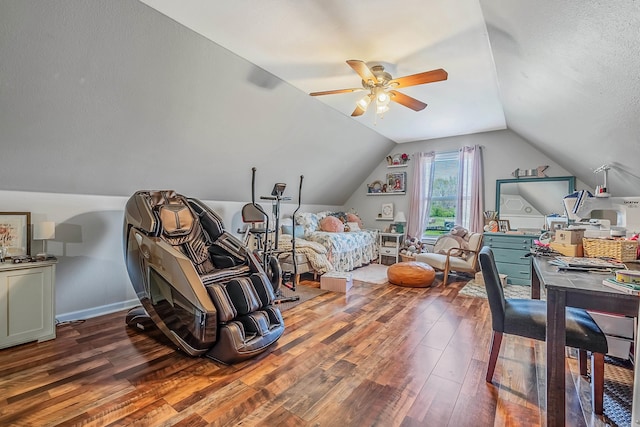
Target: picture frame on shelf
<point x="15" y="234"/>
<point x="376" y="187"/>
<point x="396" y="182"/>
<point x="503" y="225"/>
<point x="386" y="211"/>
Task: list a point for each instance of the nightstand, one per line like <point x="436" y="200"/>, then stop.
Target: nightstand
<point x="389" y="246"/>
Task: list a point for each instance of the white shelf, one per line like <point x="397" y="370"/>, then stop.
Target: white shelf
<point x="384" y="219"/>
<point x="399" y="193"/>
<point x="397" y="166"/>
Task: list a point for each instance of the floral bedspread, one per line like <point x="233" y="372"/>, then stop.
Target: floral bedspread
<point x="350" y="250"/>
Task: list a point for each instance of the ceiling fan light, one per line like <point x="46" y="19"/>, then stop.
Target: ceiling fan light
<point x="381" y="109"/>
<point x="364" y="102"/>
<point x="383" y="98"/>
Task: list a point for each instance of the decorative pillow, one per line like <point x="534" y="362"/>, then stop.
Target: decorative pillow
<point x="354" y="218"/>
<point x="323" y="214"/>
<point x="288" y="229"/>
<point x="331" y="224"/>
<point x="309" y="221"/>
<point x="341" y="216"/>
<point x="353" y="226"/>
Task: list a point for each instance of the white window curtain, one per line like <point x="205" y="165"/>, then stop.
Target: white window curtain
<point x="470" y="206"/>
<point x="421" y="193"/>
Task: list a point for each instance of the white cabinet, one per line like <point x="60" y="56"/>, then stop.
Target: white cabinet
<point x="27" y="310"/>
<point x="389" y="246"/>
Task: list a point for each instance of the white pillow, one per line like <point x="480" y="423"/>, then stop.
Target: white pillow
<point x="353" y="226"/>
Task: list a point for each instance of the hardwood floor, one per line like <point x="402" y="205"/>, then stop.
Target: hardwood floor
<point x="379" y="356"/>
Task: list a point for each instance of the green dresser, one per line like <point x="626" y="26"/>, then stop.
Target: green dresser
<point x="509" y="251"/>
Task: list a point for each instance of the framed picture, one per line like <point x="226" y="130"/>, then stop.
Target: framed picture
<point x="396" y="182"/>
<point x="503" y="225"/>
<point x="15" y="233"/>
<point x="556" y="225"/>
<point x="387" y="211"/>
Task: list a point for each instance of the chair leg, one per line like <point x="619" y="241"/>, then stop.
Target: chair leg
<point x="582" y="362"/>
<point x="597" y="382"/>
<point x="496" y="341"/>
<point x="446" y="272"/>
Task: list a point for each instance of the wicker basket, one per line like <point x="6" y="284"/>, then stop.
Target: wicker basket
<point x="407" y="258"/>
<point x="621" y="250"/>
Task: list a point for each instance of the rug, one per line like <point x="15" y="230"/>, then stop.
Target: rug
<point x="305" y="293"/>
<point x="474" y="289"/>
<point x="374" y="274"/>
<point x="618" y="377"/>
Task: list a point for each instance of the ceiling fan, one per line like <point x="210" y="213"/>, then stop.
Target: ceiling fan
<point x="381" y="86"/>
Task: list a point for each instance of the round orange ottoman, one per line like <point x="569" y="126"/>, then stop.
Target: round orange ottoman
<point x="412" y="274"/>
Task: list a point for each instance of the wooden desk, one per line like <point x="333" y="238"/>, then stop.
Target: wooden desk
<point x="574" y="289"/>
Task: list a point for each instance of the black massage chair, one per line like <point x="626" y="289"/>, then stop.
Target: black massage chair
<point x="197" y="283"/>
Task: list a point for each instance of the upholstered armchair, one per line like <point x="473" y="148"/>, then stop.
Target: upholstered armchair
<point x="196" y="282"/>
<point x="456" y="258"/>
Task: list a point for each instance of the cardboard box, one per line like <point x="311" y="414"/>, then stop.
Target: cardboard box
<point x="569" y="237"/>
<point x="568" y="250"/>
<point x="336" y="281"/>
<point x="480" y="280"/>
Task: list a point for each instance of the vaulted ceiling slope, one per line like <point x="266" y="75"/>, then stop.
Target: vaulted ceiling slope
<point x="565" y="75"/>
<point x="112" y="97"/>
<point x="107" y="98"/>
<point x="570" y="82"/>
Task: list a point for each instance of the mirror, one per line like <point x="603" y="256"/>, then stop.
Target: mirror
<point x="525" y="202"/>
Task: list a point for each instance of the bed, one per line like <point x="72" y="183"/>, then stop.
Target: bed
<point x="346" y="250"/>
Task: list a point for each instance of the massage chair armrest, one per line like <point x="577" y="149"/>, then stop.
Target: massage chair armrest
<point x="173" y="266"/>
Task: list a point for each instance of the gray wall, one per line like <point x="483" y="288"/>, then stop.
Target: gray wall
<point x="503" y="152"/>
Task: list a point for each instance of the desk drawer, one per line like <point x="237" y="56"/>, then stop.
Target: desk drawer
<point x="386" y="251"/>
<point x="519" y="246"/>
<point x="511" y="256"/>
<point x="515" y="272"/>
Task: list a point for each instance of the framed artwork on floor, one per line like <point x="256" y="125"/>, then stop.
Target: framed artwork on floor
<point x="15" y="233"/>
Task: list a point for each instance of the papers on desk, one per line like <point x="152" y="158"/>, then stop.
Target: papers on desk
<point x="627" y="288"/>
<point x="587" y="264"/>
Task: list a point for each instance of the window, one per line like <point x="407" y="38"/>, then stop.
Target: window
<point x="444" y="194"/>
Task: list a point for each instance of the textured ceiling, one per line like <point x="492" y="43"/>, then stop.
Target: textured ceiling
<point x="564" y="75"/>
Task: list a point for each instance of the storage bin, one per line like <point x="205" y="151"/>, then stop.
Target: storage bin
<point x="336" y="281"/>
<point x="621" y="250"/>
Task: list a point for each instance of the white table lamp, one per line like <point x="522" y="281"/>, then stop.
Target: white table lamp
<point x="400" y="220"/>
<point x="44" y="231"/>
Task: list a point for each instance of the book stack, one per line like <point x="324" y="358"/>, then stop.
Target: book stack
<point x="627" y="288"/>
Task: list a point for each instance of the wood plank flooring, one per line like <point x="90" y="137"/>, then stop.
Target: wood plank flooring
<point x="379" y="356"/>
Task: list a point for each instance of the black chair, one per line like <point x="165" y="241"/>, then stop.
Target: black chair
<point x="528" y="318"/>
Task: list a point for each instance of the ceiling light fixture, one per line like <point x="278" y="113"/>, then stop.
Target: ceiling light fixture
<point x="382" y="87"/>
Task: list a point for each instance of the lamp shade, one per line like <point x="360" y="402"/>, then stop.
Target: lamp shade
<point x="400" y="217"/>
<point x="45" y="230"/>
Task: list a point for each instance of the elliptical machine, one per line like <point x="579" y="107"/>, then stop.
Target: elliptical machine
<point x="267" y="247"/>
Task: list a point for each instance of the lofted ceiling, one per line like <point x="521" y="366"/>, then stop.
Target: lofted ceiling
<point x="563" y="75"/>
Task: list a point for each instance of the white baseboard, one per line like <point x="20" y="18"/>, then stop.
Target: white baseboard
<point x="97" y="311"/>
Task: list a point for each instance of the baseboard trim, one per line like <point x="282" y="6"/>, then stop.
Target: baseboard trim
<point x="97" y="311"/>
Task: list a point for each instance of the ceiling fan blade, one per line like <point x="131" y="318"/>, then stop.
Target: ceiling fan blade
<point x="362" y="69"/>
<point x="420" y="78"/>
<point x="407" y="101"/>
<point x="331" y="92"/>
<point x="358" y="111"/>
